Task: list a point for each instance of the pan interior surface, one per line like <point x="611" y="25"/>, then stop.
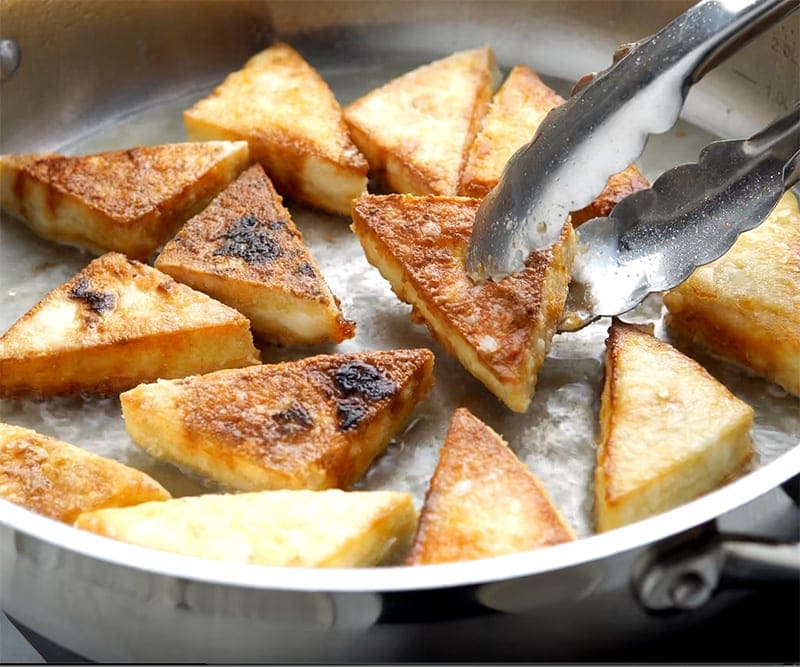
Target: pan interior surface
<point x="555" y="438"/>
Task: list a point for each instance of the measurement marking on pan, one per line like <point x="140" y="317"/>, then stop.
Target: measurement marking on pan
<point x="778" y="96"/>
<point x="745" y="76"/>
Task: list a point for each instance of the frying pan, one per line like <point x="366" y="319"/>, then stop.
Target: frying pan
<point x="82" y="75"/>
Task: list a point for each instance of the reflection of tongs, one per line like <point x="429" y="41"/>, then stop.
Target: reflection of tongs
<point x="692" y="215"/>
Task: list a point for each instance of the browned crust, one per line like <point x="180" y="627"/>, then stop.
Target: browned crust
<point x="512" y="311"/>
<point x="281" y="54"/>
<point x="297" y="419"/>
<point x="462" y="524"/>
<point x="247" y="235"/>
<point x="110" y="275"/>
<point x="133" y="199"/>
<point x="58" y="480"/>
<point x="482" y="100"/>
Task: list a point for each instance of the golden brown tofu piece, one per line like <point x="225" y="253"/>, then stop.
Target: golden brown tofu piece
<point x="245" y="250"/>
<point x="51" y="477"/>
<point x="315" y="423"/>
<point x="330" y="528"/>
<point x="669" y="432"/>
<point x="282" y="107"/>
<point x="514" y="116"/>
<point x="115" y="324"/>
<point x="130" y="201"/>
<point x="483" y="501"/>
<point x="499" y="331"/>
<point x="745" y="306"/>
<point x="417" y="129"/>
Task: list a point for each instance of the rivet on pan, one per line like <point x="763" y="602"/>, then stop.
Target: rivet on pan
<point x="9" y="58"/>
<point x="690" y="591"/>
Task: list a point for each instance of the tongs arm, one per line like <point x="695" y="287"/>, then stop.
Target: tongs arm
<point x="603" y="128"/>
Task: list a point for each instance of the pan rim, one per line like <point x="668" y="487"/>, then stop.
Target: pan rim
<point x="580" y="552"/>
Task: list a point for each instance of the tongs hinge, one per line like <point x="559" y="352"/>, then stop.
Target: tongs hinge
<point x="603" y="128"/>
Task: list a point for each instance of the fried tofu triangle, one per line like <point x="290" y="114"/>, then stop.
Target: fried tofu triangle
<point x="416" y="130"/>
<point x="618" y="187"/>
<point x="330" y="528"/>
<point x="130" y="201"/>
<point x="483" y="501"/>
<point x="316" y="423"/>
<point x="745" y="306"/>
<point x="56" y="479"/>
<point x="245" y="250"/>
<point x="282" y="107"/>
<point x="514" y="116"/>
<point x="499" y="331"/>
<point x="669" y="432"/>
<point x="115" y="324"/>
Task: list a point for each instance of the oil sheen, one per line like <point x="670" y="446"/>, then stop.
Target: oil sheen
<point x="555" y="438"/>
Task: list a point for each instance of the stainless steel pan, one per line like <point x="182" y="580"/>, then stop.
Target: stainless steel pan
<point x="92" y="75"/>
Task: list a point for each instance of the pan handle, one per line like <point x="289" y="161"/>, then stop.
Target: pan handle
<point x="687" y="576"/>
<point x="688" y="573"/>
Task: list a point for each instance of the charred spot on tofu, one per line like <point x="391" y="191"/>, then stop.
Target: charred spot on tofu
<point x="350" y="412"/>
<point x="250" y="239"/>
<point x="358" y="382"/>
<point x="293" y="418"/>
<point x="306" y="269"/>
<point x="99" y="302"/>
<point x="364" y="380"/>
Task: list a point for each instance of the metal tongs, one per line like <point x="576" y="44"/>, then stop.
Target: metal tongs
<point x="654" y="238"/>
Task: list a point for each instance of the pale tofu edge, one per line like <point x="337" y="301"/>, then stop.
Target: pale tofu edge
<point x="109" y="369"/>
<point x="322" y="181"/>
<point x="398" y="174"/>
<point x="770" y="350"/>
<point x="707" y="470"/>
<point x="274" y="314"/>
<point x="745" y="306"/>
<point x="358" y="529"/>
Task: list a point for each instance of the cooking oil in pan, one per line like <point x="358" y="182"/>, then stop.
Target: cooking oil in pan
<point x="555" y="438"/>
